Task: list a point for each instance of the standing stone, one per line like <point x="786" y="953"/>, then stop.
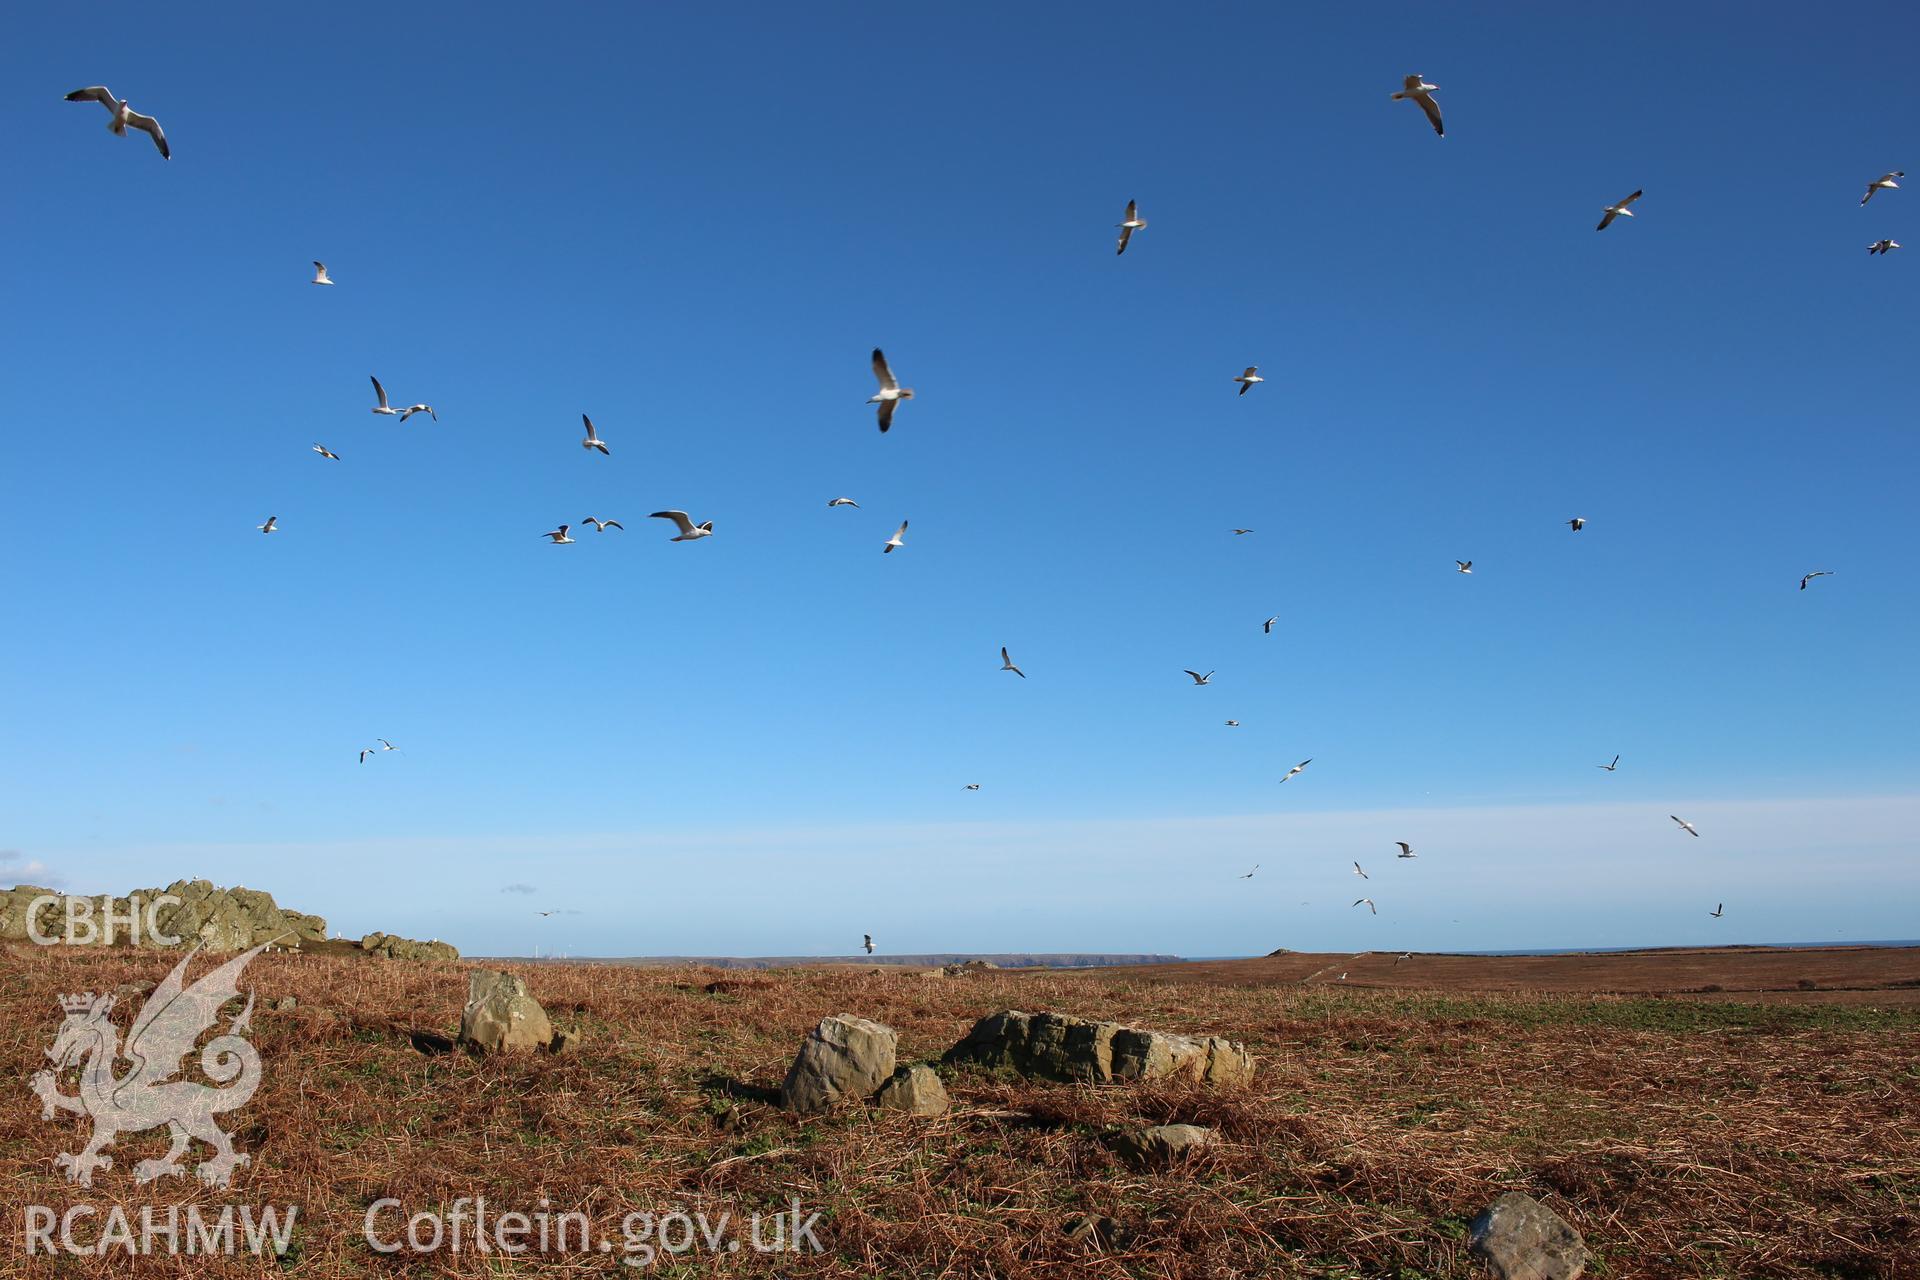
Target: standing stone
<point x="915" y="1090"/>
<point x="1524" y="1240"/>
<point x="844" y="1057"/>
<point x="501" y="1017"/>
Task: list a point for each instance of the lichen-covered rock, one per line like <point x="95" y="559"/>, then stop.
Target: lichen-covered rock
<point x="1058" y="1046"/>
<point x="1522" y="1239"/>
<point x="501" y="1017"/>
<point x="915" y="1090"/>
<point x="845" y="1057"/>
<point x="187" y="913"/>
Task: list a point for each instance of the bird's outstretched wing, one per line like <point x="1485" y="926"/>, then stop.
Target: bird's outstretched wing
<point x="1126" y="234"/>
<point x="137" y="121"/>
<point x="886" y="414"/>
<point x="379" y="391"/>
<point x="678" y="517"/>
<point x="96" y="93"/>
<point x="1432" y="108"/>
<point x="882" y="372"/>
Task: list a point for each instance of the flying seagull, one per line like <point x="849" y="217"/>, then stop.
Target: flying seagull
<point x="688" y="529"/>
<point x="601" y="526"/>
<point x="1249" y="875"/>
<point x="891" y="392"/>
<point x="1610" y="767"/>
<point x="1466" y="566"/>
<point x="385" y="745"/>
<point x="559" y="535"/>
<point x="1686" y="827"/>
<point x="1361" y="871"/>
<point x="1406" y="850"/>
<point x="1297" y="768"/>
<point x="1241" y="533"/>
<point x="1233" y="724"/>
<point x="1577" y="523"/>
<point x="1882" y="246"/>
<point x="1404" y="955"/>
<point x="1885" y="182"/>
<point x="271" y="526"/>
<point x="1199" y="679"/>
<point x="365" y="752"/>
<point x="1719" y="908"/>
<point x="841" y="502"/>
<point x="867" y="942"/>
<point x="325" y="452"/>
<point x="593" y="440"/>
<point x="899" y="535"/>
<point x="380" y="391"/>
<point x="1617" y="211"/>
<point x="1266" y="628"/>
<point x="1006" y="664"/>
<point x="1370" y="907"/>
<point x="1417" y="90"/>
<point x="412" y="409"/>
<point x="1247" y="379"/>
<point x="1133" y="223"/>
<point x="124" y="116"/>
<point x="544" y="914"/>
<point x="973" y="786"/>
<point x="1823" y="573"/>
<point x="320" y="274"/>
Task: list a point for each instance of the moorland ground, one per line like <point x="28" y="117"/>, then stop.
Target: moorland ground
<point x="1761" y="1130"/>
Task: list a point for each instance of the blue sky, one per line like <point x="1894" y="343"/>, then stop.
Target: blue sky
<point x="694" y="225"/>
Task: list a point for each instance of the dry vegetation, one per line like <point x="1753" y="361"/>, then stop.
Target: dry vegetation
<point x="1682" y="1138"/>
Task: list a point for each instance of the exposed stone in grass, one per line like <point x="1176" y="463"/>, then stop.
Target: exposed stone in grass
<point x="1058" y="1046"/>
<point x="845" y="1057"/>
<point x="501" y="1017"/>
<point x="915" y="1090"/>
<point x="1522" y="1239"/>
<point x="1161" y="1145"/>
<point x="1095" y="1229"/>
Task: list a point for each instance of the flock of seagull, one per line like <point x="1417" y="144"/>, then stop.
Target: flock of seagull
<point x="891" y="394"/>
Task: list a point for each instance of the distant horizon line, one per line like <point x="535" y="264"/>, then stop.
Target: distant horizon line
<point x="1118" y="959"/>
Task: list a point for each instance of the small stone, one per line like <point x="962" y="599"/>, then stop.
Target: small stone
<point x="1163" y="1144"/>
<point x="915" y="1090"/>
<point x="1096" y="1229"/>
<point x="565" y="1040"/>
<point x="1522" y="1239"/>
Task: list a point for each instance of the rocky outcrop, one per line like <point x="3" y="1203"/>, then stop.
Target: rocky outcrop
<point x="187" y="913"/>
<point x="1161" y="1145"/>
<point x="389" y="947"/>
<point x="1522" y="1239"/>
<point x="845" y="1057"/>
<point x="916" y="1090"/>
<point x="1059" y="1046"/>
<point x="501" y="1017"/>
